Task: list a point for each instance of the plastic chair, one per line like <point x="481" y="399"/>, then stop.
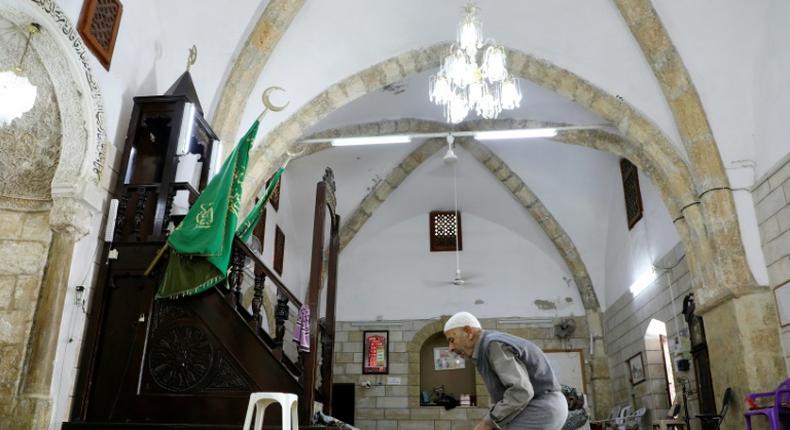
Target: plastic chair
<point x="632" y="421"/>
<point x="619" y="422"/>
<point x="779" y="411"/>
<point x="714" y="420"/>
<point x="260" y="401"/>
<point x="606" y="421"/>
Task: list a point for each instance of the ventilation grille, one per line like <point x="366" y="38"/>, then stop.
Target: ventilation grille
<point x="98" y="26"/>
<point x="444" y="226"/>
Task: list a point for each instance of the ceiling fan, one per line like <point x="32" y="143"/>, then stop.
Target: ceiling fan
<point x="520" y="133"/>
<point x="450" y="158"/>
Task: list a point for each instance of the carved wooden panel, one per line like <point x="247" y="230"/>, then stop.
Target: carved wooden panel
<point x="444" y="226"/>
<point x="98" y="26"/>
<point x="185" y="358"/>
<point x="633" y="197"/>
<point x="181" y="358"/>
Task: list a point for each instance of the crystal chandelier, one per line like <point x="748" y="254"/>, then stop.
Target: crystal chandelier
<point x="17" y="94"/>
<point x="461" y="85"/>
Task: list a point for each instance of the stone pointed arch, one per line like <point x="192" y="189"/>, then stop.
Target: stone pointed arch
<point x="595" y="139"/>
<point x="510" y="180"/>
<point x="535" y="207"/>
<point x="736" y="295"/>
<point x="75" y="196"/>
<point x="641" y="136"/>
<point x="713" y="187"/>
<point x="248" y="65"/>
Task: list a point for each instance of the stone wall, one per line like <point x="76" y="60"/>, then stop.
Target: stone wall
<point x="625" y="326"/>
<point x="24" y="244"/>
<point x="397" y="406"/>
<point x="771" y="196"/>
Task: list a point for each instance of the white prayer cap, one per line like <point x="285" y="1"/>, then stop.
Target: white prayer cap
<point x="461" y="319"/>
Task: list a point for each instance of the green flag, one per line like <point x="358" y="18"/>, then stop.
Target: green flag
<point x="246" y="228"/>
<point x="201" y="245"/>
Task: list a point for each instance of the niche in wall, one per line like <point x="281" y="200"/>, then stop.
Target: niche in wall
<point x="456" y="381"/>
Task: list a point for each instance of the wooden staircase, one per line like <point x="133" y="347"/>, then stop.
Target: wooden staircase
<point x="191" y="363"/>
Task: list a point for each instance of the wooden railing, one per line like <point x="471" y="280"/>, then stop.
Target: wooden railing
<point x="151" y="214"/>
<point x="313" y="368"/>
<point x="149" y="210"/>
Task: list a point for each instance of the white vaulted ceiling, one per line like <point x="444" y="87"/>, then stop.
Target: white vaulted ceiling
<point x="328" y="41"/>
<point x="388" y="261"/>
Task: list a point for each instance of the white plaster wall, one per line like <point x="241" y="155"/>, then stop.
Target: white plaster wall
<point x="152" y="47"/>
<point x="771" y="94"/>
<point x="573" y="183"/>
<point x="742" y="91"/>
<point x="388" y="263"/>
<point x="84" y="267"/>
<point x="719" y="55"/>
<point x="629" y="254"/>
<point x="329" y="41"/>
<point x="393" y="275"/>
<point x="296" y="255"/>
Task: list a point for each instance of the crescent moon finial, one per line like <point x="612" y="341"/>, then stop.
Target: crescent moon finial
<point x="192" y="57"/>
<point x="291" y="155"/>
<point x="268" y="103"/>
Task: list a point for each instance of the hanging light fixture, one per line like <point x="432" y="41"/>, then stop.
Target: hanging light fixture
<point x="17" y="94"/>
<point x="461" y="85"/>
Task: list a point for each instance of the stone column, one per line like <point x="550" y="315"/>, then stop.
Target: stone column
<point x="69" y="220"/>
<point x="601" y="390"/>
<point x="745" y="350"/>
<point x="46" y="320"/>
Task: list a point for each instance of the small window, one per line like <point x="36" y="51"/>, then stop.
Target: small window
<point x="633" y="197"/>
<point x="444" y="228"/>
<point x="279" y="249"/>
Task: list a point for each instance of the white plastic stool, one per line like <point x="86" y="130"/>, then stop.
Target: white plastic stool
<point x="260" y="401"/>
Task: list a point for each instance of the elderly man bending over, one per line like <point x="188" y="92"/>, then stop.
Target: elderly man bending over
<point x="523" y="388"/>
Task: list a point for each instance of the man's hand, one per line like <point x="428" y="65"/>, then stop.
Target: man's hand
<point x="483" y="426"/>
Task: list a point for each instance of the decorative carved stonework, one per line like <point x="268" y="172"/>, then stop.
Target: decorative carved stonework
<point x="68" y="31"/>
<point x="181" y="358"/>
<point x="30" y="145"/>
<point x="82" y="126"/>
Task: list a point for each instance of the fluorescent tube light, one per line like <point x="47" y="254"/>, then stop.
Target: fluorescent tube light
<point x="371" y="140"/>
<point x="516" y="134"/>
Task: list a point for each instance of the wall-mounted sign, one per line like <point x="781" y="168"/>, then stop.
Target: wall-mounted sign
<point x="375" y="352"/>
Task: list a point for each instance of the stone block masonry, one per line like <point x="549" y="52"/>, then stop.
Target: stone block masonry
<point x="386" y="406"/>
<point x="771" y="195"/>
<point x="24" y="243"/>
<point x="626" y="324"/>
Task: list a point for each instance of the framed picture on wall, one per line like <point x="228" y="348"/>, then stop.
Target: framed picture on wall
<point x="636" y="369"/>
<point x="782" y="296"/>
<point x="375" y="352"/>
<point x="444" y="359"/>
